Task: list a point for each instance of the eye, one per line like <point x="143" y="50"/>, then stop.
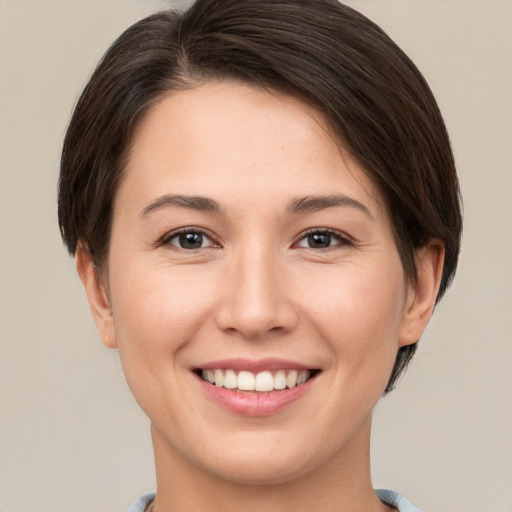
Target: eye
<point x="188" y="239"/>
<point x="322" y="239"/>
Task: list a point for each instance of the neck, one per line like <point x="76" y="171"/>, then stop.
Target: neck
<point x="340" y="484"/>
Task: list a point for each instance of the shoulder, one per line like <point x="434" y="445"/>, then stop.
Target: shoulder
<point x="141" y="504"/>
<point x="389" y="497"/>
<point x="396" y="500"/>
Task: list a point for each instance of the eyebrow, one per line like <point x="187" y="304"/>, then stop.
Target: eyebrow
<point x="316" y="203"/>
<point x="180" y="201"/>
<point x="298" y="205"/>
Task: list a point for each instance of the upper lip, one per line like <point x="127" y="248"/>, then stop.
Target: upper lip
<point x="254" y="365"/>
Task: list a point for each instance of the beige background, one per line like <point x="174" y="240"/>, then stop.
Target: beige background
<point x="71" y="436"/>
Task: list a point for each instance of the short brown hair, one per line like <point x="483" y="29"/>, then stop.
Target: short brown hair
<point x="332" y="57"/>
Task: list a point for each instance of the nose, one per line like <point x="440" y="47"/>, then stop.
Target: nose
<point x="257" y="297"/>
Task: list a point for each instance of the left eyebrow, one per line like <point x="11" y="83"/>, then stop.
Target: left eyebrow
<point x="316" y="203"/>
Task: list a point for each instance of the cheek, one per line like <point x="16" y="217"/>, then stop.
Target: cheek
<point x="358" y="312"/>
<point x="158" y="309"/>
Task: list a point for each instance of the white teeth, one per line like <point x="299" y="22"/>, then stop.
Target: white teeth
<point x="302" y="377"/>
<point x="219" y="378"/>
<point x="246" y="381"/>
<point x="291" y="379"/>
<point x="230" y="379"/>
<point x="263" y="382"/>
<point x="280" y="380"/>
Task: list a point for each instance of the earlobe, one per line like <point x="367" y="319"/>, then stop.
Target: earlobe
<point x="97" y="296"/>
<point x="422" y="294"/>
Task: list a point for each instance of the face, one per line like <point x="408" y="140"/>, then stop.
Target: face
<point x="254" y="289"/>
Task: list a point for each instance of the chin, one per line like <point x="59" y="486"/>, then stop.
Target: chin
<point x="266" y="462"/>
<point x="260" y="471"/>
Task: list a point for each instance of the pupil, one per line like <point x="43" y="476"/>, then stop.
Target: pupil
<point x="319" y="240"/>
<point x="191" y="240"/>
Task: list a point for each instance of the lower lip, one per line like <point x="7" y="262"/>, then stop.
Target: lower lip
<point x="255" y="403"/>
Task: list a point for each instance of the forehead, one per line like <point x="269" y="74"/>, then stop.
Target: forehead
<point x="227" y="138"/>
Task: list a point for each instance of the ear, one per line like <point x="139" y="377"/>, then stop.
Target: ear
<point x="422" y="294"/>
<point x="97" y="296"/>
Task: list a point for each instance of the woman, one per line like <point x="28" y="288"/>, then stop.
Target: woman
<point x="264" y="210"/>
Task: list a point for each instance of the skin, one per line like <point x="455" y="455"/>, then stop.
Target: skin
<point x="256" y="288"/>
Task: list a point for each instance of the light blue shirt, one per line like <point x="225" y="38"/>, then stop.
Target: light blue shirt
<point x="396" y="500"/>
<point x="391" y="498"/>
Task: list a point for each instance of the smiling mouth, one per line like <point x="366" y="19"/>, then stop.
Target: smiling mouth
<point x="263" y="382"/>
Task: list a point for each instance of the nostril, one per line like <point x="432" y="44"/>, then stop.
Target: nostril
<point x="256" y="321"/>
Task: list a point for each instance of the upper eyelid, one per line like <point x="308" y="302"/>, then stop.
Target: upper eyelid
<point x="188" y="229"/>
<point x="214" y="239"/>
<point x="331" y="231"/>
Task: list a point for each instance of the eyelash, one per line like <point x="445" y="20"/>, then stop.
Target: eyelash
<point x="342" y="240"/>
<point x="167" y="239"/>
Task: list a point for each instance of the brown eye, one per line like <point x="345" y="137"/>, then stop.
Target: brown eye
<point x="322" y="239"/>
<point x="319" y="240"/>
<point x="189" y="239"/>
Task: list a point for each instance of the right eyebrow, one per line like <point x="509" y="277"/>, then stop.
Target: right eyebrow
<point x="191" y="202"/>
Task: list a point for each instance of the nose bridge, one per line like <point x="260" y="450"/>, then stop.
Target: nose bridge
<point x="256" y="299"/>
